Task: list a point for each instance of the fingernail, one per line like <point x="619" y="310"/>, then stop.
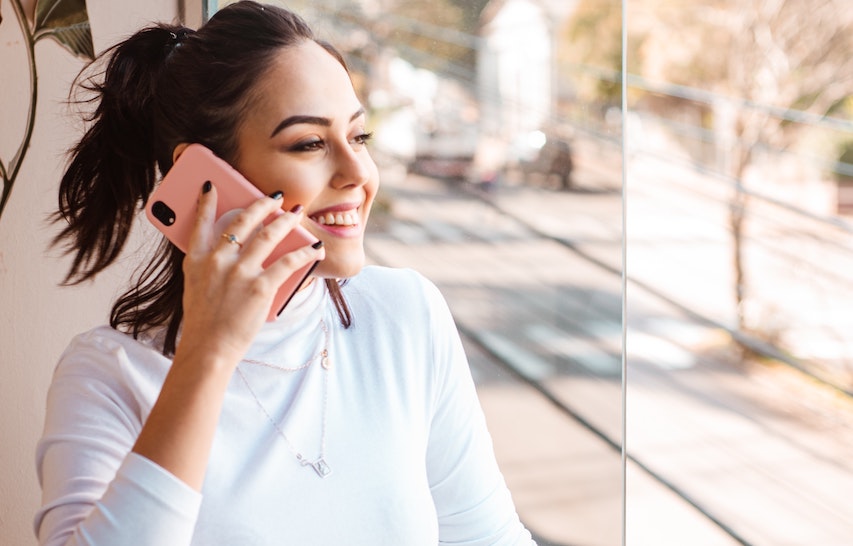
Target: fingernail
<point x="206" y="187"/>
<point x="296" y="209"/>
<point x="276" y="195"/>
<point x="318" y="245"/>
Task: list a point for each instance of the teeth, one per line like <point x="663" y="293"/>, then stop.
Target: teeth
<point x="336" y="219"/>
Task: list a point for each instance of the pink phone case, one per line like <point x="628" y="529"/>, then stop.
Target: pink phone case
<point x="173" y="203"/>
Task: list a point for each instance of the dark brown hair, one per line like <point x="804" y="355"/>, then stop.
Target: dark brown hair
<point x="164" y="85"/>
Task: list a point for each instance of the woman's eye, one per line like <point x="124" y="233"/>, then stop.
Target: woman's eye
<point x="362" y="139"/>
<point x="308" y="146"/>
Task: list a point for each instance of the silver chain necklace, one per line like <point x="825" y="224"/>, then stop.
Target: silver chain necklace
<point x="320" y="466"/>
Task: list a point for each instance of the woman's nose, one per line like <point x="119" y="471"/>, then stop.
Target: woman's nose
<point x="351" y="167"/>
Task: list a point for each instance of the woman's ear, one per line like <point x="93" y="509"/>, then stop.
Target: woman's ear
<point x="179" y="149"/>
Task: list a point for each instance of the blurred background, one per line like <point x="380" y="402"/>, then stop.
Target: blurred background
<point x="676" y="245"/>
<point x="648" y="260"/>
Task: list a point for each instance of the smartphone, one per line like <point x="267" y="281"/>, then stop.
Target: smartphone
<point x="172" y="208"/>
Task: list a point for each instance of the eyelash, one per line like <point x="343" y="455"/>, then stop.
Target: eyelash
<point x="360" y="139"/>
<point x="364" y="138"/>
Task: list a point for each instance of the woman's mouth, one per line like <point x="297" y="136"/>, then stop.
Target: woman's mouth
<point x="338" y="219"/>
<point x="341" y="220"/>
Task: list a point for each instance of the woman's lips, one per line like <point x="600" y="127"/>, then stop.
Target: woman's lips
<point x="348" y="218"/>
<point x="341" y="220"/>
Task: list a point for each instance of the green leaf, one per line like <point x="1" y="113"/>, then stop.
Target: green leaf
<point x="67" y="22"/>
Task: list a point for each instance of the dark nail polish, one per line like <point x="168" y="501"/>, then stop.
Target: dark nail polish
<point x="276" y="195"/>
<point x="206" y="187"/>
<point x="296" y="209"/>
<point x="318" y="245"/>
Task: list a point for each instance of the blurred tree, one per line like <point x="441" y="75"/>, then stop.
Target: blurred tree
<point x="592" y="38"/>
<point x="438" y="34"/>
<point x="426" y="33"/>
<point x="764" y="58"/>
<point x="471" y="10"/>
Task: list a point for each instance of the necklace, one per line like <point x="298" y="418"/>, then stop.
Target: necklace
<point x="320" y="466"/>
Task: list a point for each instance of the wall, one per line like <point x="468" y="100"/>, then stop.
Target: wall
<point x="37" y="317"/>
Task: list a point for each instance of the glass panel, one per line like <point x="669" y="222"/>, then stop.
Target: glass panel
<point x="740" y="347"/>
<point x="498" y="134"/>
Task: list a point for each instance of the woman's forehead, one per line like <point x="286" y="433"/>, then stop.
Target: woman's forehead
<point x="305" y="79"/>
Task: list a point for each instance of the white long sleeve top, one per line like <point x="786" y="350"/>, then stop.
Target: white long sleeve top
<point x="411" y="459"/>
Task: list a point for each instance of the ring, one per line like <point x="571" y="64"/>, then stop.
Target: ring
<point x="231" y="238"/>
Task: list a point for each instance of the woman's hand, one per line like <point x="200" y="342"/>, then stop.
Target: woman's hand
<point x="227" y="291"/>
<point x="227" y="296"/>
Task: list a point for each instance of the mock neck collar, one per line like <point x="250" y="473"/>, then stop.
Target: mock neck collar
<point x="299" y="319"/>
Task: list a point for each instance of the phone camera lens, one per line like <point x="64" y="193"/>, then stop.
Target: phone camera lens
<point x="162" y="212"/>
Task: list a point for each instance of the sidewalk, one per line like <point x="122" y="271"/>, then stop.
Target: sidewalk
<point x="725" y="454"/>
<point x="760" y="447"/>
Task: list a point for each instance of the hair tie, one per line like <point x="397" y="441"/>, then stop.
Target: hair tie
<point x="175" y="39"/>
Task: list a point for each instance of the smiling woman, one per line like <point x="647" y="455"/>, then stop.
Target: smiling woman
<point x="468" y="100"/>
<point x="316" y="154"/>
<point x="352" y="418"/>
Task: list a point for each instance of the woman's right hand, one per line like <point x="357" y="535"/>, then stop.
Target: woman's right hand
<point x="227" y="291"/>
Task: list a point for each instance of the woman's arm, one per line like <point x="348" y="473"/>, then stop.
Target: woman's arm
<point x="227" y="295"/>
<point x="95" y="492"/>
<point x="472" y="501"/>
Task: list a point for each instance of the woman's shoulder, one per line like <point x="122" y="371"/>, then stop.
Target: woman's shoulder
<point x="399" y="295"/>
<point x="400" y="277"/>
<point x="109" y="338"/>
<point x="393" y="284"/>
<point x="106" y="370"/>
<point x="104" y="347"/>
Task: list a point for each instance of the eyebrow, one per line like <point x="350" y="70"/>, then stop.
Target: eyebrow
<point x="311" y="120"/>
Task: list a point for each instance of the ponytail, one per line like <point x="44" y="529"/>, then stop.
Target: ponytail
<point x="113" y="167"/>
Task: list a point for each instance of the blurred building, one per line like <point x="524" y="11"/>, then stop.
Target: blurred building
<point x="439" y="122"/>
<point x="516" y="78"/>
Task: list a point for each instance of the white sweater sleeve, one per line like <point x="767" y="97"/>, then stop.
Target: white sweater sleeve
<point x="95" y="491"/>
<point x="472" y="500"/>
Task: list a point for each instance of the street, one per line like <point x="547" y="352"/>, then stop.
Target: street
<point x="716" y="453"/>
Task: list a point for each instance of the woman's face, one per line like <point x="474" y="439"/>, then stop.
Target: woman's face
<point x="305" y="136"/>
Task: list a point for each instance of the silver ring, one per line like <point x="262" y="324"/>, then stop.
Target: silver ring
<point x="231" y="238"/>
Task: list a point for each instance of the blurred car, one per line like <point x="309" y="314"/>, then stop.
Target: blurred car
<point x="548" y="155"/>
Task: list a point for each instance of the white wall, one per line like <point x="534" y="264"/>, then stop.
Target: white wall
<point x="37" y="317"/>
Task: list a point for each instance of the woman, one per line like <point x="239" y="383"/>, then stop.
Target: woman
<point x="191" y="420"/>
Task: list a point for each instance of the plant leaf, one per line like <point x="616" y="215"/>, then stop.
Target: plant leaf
<point x="67" y="22"/>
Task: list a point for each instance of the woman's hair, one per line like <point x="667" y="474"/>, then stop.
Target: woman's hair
<point x="164" y="85"/>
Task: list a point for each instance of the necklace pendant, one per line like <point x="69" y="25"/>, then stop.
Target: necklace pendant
<point x="320" y="466"/>
<point x="324" y="361"/>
